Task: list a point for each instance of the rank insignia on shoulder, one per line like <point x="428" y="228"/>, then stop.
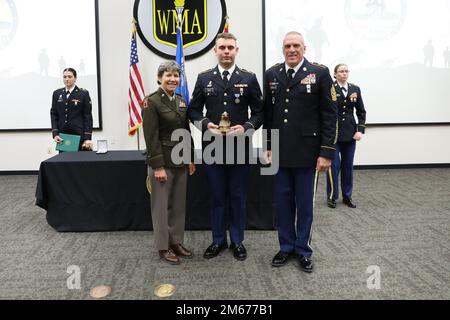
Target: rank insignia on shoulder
<point x="276" y="65"/>
<point x="206" y="71"/>
<point x="333" y="94"/>
<point x="244" y="70"/>
<point x="319" y="65"/>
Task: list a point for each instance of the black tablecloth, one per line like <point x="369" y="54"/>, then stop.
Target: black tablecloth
<point x="85" y="191"/>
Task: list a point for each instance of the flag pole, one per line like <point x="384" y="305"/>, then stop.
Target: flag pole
<point x="134" y="29"/>
<point x="137" y="130"/>
<point x="137" y="134"/>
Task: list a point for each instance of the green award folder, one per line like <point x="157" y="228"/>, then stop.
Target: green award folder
<point x="70" y="142"/>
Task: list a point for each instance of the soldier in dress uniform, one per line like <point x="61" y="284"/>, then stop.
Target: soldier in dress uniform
<point x="349" y="100"/>
<point x="164" y="112"/>
<point x="227" y="88"/>
<point x="300" y="103"/>
<point x="71" y="111"/>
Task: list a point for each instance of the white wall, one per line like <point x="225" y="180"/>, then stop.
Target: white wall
<point x="25" y="150"/>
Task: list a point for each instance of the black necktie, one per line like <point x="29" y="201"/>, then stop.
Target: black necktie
<point x="67" y="94"/>
<point x="225" y="77"/>
<point x="290" y="74"/>
<point x="344" y="91"/>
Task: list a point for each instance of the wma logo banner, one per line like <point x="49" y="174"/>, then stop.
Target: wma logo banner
<point x="201" y="21"/>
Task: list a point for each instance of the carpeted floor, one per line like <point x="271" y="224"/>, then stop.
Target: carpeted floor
<point x="401" y="225"/>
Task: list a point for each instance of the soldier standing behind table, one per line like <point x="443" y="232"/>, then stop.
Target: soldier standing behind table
<point x="71" y="111"/>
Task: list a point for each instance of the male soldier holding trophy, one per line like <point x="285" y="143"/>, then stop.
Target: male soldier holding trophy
<point x="227" y="92"/>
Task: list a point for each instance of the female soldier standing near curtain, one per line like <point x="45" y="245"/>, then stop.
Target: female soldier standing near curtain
<point x="348" y="99"/>
<point x="164" y="112"/>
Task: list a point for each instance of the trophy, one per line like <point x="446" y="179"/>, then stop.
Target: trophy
<point x="225" y="123"/>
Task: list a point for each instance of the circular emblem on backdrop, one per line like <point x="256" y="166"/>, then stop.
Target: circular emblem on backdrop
<point x="375" y="19"/>
<point x="8" y="22"/>
<point x="201" y="20"/>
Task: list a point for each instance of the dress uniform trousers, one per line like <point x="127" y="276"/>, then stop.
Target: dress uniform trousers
<point x="343" y="164"/>
<point x="229" y="186"/>
<point x="298" y="184"/>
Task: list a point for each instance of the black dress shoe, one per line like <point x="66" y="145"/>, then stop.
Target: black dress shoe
<point x="239" y="251"/>
<point x="349" y="203"/>
<point x="331" y="203"/>
<point x="213" y="250"/>
<point x="281" y="258"/>
<point x="306" y="264"/>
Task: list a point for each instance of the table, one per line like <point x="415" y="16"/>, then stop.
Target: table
<point x="85" y="191"/>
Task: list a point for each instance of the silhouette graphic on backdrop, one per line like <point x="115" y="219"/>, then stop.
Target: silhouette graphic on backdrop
<point x="61" y="64"/>
<point x="82" y="67"/>
<point x="447" y="58"/>
<point x="318" y="38"/>
<point x="44" y="63"/>
<point x="428" y="53"/>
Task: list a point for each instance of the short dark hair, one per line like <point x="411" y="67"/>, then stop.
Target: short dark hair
<point x="74" y="72"/>
<point x="226" y="36"/>
<point x="168" y="66"/>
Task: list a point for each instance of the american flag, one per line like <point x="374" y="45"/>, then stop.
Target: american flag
<point x="136" y="91"/>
